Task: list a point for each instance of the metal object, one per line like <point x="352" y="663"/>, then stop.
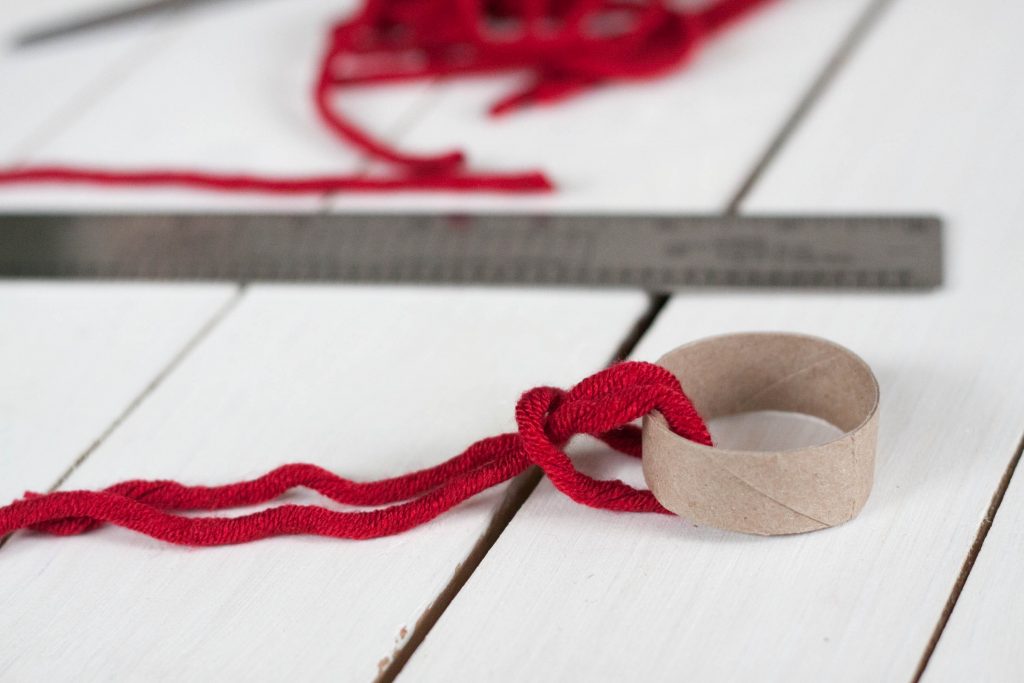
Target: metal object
<point x="116" y="15"/>
<point x="659" y="253"/>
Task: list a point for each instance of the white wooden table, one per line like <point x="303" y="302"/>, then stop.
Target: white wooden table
<point x="813" y="105"/>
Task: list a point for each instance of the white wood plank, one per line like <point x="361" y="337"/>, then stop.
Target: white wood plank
<point x="221" y="88"/>
<point x="682" y="142"/>
<point x="981" y="639"/>
<point x="74" y="357"/>
<point x="598" y="596"/>
<point x="46" y="87"/>
<point x="365" y="381"/>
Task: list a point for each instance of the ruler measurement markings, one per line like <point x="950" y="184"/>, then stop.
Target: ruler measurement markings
<point x="663" y="252"/>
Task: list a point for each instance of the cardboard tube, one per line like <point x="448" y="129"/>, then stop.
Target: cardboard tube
<point x="763" y="492"/>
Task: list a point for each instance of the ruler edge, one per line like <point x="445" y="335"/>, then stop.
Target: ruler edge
<point x="933" y="223"/>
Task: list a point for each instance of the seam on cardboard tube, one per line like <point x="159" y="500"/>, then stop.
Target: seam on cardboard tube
<point x="516" y="496"/>
<point x="778" y="491"/>
<point x="726" y="470"/>
<point x="717" y="464"/>
<point x="796" y="373"/>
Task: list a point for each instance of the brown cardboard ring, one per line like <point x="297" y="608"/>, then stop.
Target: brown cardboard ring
<point x="763" y="492"/>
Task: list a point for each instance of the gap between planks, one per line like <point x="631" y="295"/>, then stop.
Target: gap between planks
<point x="968" y="565"/>
<point x="861" y="29"/>
<point x="526" y="483"/>
<point x="193" y="342"/>
<point x="867" y="20"/>
<point x="514" y="499"/>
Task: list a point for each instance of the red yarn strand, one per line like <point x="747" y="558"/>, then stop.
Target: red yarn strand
<point x="604" y="405"/>
<point x="567" y="47"/>
<point x="528" y="182"/>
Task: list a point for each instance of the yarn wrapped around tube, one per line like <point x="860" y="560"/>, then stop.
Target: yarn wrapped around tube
<point x="802" y="488"/>
<point x="565" y="47"/>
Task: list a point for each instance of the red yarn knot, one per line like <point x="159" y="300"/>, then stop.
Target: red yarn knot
<point x="605" y="406"/>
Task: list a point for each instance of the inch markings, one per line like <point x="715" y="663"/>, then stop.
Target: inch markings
<point x="662" y="253"/>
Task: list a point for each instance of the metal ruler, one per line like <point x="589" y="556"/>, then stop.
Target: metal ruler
<point x="661" y="253"/>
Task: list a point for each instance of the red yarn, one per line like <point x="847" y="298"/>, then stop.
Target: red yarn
<point x="567" y="46"/>
<point x="526" y="182"/>
<point x="603" y="405"/>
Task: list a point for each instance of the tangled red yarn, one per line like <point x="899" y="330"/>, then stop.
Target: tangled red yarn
<point x="566" y="47"/>
<point x="604" y="405"/>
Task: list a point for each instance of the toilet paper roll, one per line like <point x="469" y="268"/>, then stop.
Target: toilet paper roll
<point x="761" y="492"/>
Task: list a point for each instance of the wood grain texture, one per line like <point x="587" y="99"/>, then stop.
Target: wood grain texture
<point x="74" y="357"/>
<point x="572" y="593"/>
<point x="368" y="382"/>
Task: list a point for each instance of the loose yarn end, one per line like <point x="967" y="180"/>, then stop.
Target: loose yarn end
<point x="604" y="405"/>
